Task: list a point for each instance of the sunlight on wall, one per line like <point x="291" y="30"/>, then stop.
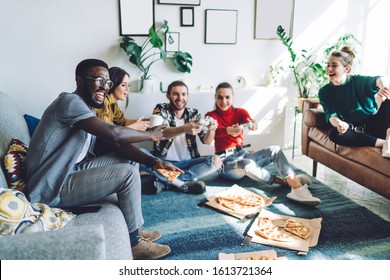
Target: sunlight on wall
<point x="368" y="22"/>
<point x="324" y="29"/>
<point x="270" y="112"/>
<point x="263" y="124"/>
<point x="377" y="39"/>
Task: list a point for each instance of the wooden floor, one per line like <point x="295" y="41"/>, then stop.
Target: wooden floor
<point x="361" y="195"/>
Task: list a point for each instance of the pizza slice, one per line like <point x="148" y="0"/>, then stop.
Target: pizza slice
<point x="273" y="234"/>
<point x="268" y="230"/>
<point x="226" y="201"/>
<point x="171" y="175"/>
<point x="297" y="228"/>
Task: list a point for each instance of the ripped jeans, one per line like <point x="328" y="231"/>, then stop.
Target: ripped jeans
<point x="243" y="163"/>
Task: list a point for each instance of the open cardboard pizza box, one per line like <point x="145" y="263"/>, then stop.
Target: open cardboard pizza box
<point x="238" y="191"/>
<point x="297" y="243"/>
<point x="256" y="255"/>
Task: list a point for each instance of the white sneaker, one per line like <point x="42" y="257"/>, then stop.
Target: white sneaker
<point x="386" y="149"/>
<point x="304" y="179"/>
<point x="303" y="195"/>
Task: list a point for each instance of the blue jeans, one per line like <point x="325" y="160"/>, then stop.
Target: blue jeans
<point x="243" y="163"/>
<point x="201" y="168"/>
<point x="96" y="178"/>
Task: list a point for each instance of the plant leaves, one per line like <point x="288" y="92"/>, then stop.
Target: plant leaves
<point x="151" y="50"/>
<point x="183" y="61"/>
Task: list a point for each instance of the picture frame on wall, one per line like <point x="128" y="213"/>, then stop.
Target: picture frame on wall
<point x="186" y="16"/>
<point x="269" y="14"/>
<point x="180" y="2"/>
<point x="172" y="43"/>
<point x="221" y="26"/>
<point x="136" y="17"/>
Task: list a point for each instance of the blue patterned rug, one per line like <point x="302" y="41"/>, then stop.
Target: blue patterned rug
<point x="349" y="231"/>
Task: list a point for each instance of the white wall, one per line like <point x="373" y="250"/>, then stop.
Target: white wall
<point x="41" y="42"/>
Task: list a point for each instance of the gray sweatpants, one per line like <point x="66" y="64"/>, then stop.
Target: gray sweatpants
<point x="99" y="177"/>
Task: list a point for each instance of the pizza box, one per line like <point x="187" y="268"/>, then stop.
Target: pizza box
<point x="267" y="254"/>
<point x="237" y="190"/>
<point x="297" y="243"/>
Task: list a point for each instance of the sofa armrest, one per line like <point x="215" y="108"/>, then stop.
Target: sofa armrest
<point x="69" y="243"/>
<point x="308" y="104"/>
<point x="315" y="118"/>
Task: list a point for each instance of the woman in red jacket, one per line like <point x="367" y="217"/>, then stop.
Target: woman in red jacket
<point x="239" y="162"/>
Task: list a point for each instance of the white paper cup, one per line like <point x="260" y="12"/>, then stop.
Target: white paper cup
<point x="155" y="120"/>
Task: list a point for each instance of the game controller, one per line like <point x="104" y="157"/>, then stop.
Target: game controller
<point x="204" y="123"/>
<point x="247" y="125"/>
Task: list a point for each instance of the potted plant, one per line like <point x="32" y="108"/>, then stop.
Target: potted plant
<point x="151" y="50"/>
<point x="310" y="75"/>
<point x="305" y="70"/>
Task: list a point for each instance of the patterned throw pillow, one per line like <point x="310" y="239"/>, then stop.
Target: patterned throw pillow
<point x="13" y="165"/>
<point x="17" y="215"/>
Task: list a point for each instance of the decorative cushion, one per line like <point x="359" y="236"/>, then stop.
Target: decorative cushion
<point x="32" y="123"/>
<point x="17" y="215"/>
<point x="13" y="165"/>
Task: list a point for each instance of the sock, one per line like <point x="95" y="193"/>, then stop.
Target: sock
<point x="135" y="238"/>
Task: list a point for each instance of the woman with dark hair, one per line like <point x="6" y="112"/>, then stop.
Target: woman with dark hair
<point x="357" y="107"/>
<point x="238" y="162"/>
<point x="110" y="112"/>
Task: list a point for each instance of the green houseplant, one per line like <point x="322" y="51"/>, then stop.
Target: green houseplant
<point x="308" y="73"/>
<point x="151" y="50"/>
<point x="305" y="70"/>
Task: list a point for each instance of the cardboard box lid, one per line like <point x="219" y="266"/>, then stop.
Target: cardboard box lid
<point x="271" y="254"/>
<point x="299" y="244"/>
<point x="237" y="190"/>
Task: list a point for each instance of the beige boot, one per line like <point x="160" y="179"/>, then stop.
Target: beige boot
<point x="148" y="250"/>
<point x="153" y="235"/>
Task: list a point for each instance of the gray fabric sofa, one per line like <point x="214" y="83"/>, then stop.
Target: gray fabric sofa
<point x="99" y="235"/>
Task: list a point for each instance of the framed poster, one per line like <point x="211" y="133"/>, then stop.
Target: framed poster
<point x="136" y="17"/>
<point x="186" y="16"/>
<point x="221" y="26"/>
<point x="180" y="2"/>
<point x="269" y="14"/>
